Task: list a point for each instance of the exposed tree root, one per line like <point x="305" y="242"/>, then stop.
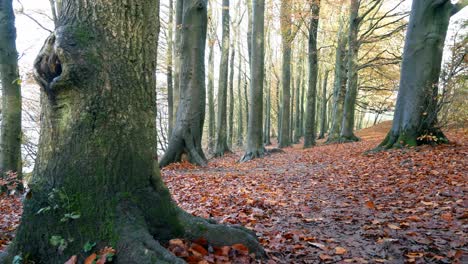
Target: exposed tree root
<point x="346" y="139"/>
<point x="180" y="146"/>
<point x="258" y="153"/>
<point x="405" y="139"/>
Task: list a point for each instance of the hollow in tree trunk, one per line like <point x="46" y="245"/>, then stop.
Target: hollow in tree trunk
<point x="96" y="176"/>
<point x="415" y="119"/>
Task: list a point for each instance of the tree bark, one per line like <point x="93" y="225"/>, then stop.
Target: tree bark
<point x="170" y="95"/>
<point x="211" y="105"/>
<point x="310" y="131"/>
<point x="187" y="135"/>
<point x="339" y="86"/>
<point x="240" y="118"/>
<point x="285" y="21"/>
<point x="415" y="119"/>
<point x="297" y="113"/>
<point x="231" y="95"/>
<point x="97" y="155"/>
<point x="347" y="126"/>
<point x="221" y="134"/>
<point x="323" y="125"/>
<point x="255" y="146"/>
<point x="177" y="54"/>
<point x="10" y="137"/>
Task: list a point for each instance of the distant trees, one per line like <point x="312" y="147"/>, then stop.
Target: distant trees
<point x="10" y="136"/>
<point x="415" y="121"/>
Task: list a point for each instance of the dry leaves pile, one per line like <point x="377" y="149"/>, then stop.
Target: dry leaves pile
<point x="332" y="203"/>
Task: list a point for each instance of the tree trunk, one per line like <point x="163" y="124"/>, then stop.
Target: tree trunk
<point x="10" y="137"/>
<point x="240" y="119"/>
<point x="285" y="21"/>
<point x="211" y="105"/>
<point x="415" y="119"/>
<point x="177" y="54"/>
<point x="267" y="137"/>
<point x="187" y="135"/>
<point x="231" y="95"/>
<point x="297" y="114"/>
<point x="249" y="31"/>
<point x="170" y="96"/>
<point x="255" y="146"/>
<point x="339" y="86"/>
<point x="323" y="125"/>
<point x="310" y="131"/>
<point x="347" y="126"/>
<point x="96" y="176"/>
<point x="221" y="134"/>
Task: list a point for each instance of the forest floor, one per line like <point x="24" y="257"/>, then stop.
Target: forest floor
<point x="331" y="203"/>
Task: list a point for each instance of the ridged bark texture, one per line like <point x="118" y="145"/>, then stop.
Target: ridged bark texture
<point x="286" y="42"/>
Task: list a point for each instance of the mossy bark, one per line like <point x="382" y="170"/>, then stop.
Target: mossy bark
<point x="347" y="126"/>
<point x="10" y="137"/>
<point x="415" y="119"/>
<point x="286" y="42"/>
<point x="97" y="169"/>
<point x="310" y="126"/>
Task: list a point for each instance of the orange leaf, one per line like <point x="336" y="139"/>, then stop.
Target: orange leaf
<point x="199" y="249"/>
<point x="324" y="257"/>
<point x="340" y="250"/>
<point x="241" y="248"/>
<point x="394" y="227"/>
<point x="90" y="259"/>
<point x="447" y="217"/>
<point x="370" y="205"/>
<point x="414" y="218"/>
<point x="72" y="260"/>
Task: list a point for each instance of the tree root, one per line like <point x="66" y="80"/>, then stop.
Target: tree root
<point x="220" y="235"/>
<point x="250" y="155"/>
<point x="348" y="139"/>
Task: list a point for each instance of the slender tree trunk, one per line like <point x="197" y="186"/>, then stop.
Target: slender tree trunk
<point x="415" y="119"/>
<point x="297" y="115"/>
<point x="347" y="125"/>
<point x="221" y="133"/>
<point x="302" y="123"/>
<point x="231" y="95"/>
<point x="177" y="54"/>
<point x="339" y="87"/>
<point x="255" y="146"/>
<point x="240" y="119"/>
<point x="249" y="30"/>
<point x="278" y="106"/>
<point x="188" y="130"/>
<point x="310" y="131"/>
<point x="97" y="170"/>
<point x="211" y="105"/>
<point x="291" y="110"/>
<point x="246" y="99"/>
<point x="170" y="94"/>
<point x="285" y="21"/>
<point x="323" y="125"/>
<point x="10" y="137"/>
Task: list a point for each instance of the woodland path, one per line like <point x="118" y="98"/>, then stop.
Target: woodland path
<point x="334" y="204"/>
<point x="331" y="203"/>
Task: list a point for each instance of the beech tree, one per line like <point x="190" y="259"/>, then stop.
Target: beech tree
<point x="10" y="136"/>
<point x="286" y="42"/>
<point x="96" y="176"/>
<point x="310" y="131"/>
<point x="415" y="120"/>
<point x="187" y="132"/>
<point x="255" y="146"/>
<point x="221" y="133"/>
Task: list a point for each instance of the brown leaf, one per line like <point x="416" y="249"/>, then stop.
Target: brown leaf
<point x="340" y="250"/>
<point x="72" y="260"/>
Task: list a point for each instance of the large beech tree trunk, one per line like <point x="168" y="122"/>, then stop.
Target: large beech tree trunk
<point x="97" y="153"/>
<point x="170" y="92"/>
<point x="211" y="105"/>
<point x="310" y="131"/>
<point x="255" y="146"/>
<point x="323" y="111"/>
<point x="187" y="133"/>
<point x="415" y="119"/>
<point x="10" y="137"/>
<point x="221" y="133"/>
<point x="347" y="126"/>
